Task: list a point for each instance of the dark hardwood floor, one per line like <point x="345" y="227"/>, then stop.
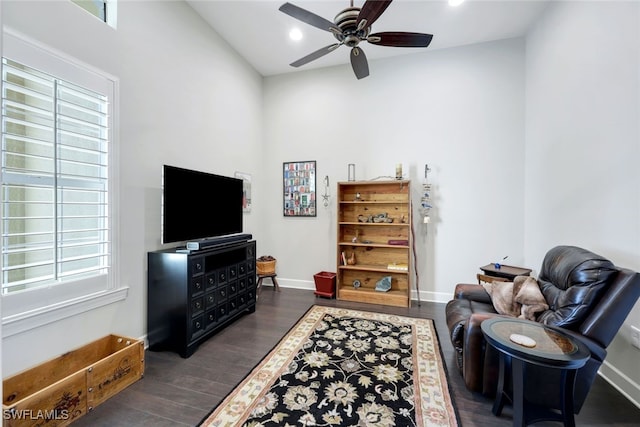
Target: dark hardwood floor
<point x="181" y="392"/>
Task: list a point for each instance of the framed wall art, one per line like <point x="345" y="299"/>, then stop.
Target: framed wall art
<point x="299" y="183"/>
<point x="246" y="190"/>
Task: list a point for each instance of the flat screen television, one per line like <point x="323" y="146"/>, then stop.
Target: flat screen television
<point x="198" y="205"/>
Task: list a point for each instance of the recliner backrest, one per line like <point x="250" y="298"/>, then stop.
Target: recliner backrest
<point x="572" y="280"/>
<point x="604" y="321"/>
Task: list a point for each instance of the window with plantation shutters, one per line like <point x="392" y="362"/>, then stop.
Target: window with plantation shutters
<point x="58" y="186"/>
<point x="54" y="180"/>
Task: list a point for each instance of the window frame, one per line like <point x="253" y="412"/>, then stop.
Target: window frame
<point x="32" y="308"/>
<point x="110" y="11"/>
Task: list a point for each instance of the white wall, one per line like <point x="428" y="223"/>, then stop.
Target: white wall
<point x="582" y="181"/>
<point x="461" y="111"/>
<point x="186" y="99"/>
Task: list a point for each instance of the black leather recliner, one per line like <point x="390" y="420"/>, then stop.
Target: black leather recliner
<point x="587" y="295"/>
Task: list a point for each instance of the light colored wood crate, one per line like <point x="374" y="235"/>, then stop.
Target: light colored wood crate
<point x="63" y="389"/>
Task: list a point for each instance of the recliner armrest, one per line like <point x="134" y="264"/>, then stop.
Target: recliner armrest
<point x="472" y="292"/>
<point x="475" y="349"/>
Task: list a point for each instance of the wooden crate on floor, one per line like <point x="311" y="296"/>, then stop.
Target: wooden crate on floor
<point x="63" y="389"/>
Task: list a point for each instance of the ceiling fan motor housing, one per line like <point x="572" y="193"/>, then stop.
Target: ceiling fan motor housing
<point x="347" y="21"/>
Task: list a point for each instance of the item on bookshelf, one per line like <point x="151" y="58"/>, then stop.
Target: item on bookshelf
<point x="398" y="266"/>
<point x="398" y="242"/>
<point x="384" y="284"/>
<point x="382" y="217"/>
<point x="376" y="219"/>
<point x="352" y="259"/>
<point x="356" y="284"/>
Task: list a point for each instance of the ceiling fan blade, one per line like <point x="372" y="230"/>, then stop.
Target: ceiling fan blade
<point x="359" y="63"/>
<point x="315" y="55"/>
<point x="400" y="39"/>
<point x="309" y="17"/>
<point x="371" y="11"/>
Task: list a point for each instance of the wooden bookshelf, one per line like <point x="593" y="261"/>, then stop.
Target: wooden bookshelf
<point x="374" y="227"/>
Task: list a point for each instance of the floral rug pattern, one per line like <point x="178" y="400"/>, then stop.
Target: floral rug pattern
<point x="340" y="367"/>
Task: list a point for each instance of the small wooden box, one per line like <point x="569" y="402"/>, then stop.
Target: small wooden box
<point x="63" y="389"/>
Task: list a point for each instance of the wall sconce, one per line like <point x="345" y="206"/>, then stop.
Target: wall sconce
<point x="325" y="196"/>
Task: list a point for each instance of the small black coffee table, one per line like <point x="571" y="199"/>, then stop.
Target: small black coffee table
<point x="553" y="348"/>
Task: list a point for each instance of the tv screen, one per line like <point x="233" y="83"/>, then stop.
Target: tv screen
<point x="199" y="205"/>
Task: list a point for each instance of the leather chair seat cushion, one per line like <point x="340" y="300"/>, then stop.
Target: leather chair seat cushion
<point x="572" y="280"/>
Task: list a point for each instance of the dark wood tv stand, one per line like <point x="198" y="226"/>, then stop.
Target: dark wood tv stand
<point x="193" y="294"/>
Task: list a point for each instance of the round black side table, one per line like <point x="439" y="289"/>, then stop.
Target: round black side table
<point x="523" y="342"/>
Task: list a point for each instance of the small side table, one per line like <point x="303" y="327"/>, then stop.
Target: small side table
<point x="553" y="349"/>
<point x="270" y="276"/>
<point x="505" y="271"/>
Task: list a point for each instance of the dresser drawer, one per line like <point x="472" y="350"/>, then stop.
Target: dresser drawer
<point x="233" y="272"/>
<point x="222" y="293"/>
<point x="222" y="276"/>
<point x="197" y="285"/>
<point x="232" y="287"/>
<point x="210" y="318"/>
<point x="197" y="306"/>
<point x="222" y="311"/>
<point x="197" y="326"/>
<point x="242" y="269"/>
<point x="210" y="281"/>
<point x="210" y="300"/>
<point x="197" y="265"/>
<point x="242" y="285"/>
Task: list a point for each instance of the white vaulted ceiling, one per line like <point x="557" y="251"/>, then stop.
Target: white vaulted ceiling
<point x="259" y="32"/>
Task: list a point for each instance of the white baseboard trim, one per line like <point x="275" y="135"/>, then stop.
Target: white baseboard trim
<point x="310" y="285"/>
<point x="621" y="382"/>
<point x="292" y="283"/>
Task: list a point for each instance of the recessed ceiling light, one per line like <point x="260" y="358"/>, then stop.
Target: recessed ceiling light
<point x="455" y="2"/>
<point x="295" y="34"/>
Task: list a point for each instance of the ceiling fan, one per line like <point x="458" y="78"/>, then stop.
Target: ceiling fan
<point x="352" y="26"/>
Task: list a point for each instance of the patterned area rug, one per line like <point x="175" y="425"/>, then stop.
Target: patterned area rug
<point x="339" y="367"/>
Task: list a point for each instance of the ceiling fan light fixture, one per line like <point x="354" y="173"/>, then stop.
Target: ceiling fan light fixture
<point x="295" y="34"/>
